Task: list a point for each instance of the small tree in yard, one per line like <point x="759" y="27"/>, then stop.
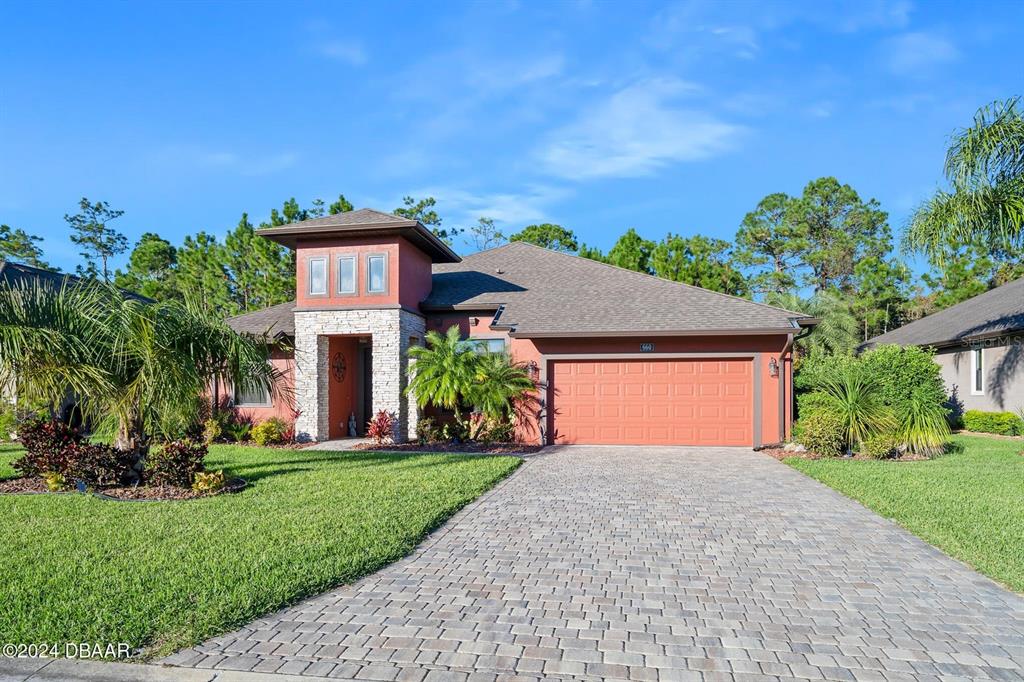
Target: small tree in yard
<point x="449" y="373"/>
<point x="137" y="368"/>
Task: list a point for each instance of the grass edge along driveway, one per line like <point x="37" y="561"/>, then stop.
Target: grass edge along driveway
<point x="165" y="575"/>
<point x="968" y="504"/>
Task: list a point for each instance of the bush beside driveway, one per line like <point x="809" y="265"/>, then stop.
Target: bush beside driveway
<point x="162" y="575"/>
<point x="969" y="504"/>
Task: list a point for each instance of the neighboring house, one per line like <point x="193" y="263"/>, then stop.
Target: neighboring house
<point x="979" y="345"/>
<point x="620" y="356"/>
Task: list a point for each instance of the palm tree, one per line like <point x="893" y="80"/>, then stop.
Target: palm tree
<point x="499" y="385"/>
<point x="449" y="373"/>
<point x="445" y="368"/>
<point x="985" y="170"/>
<point x="137" y="368"/>
<point x="838" y="331"/>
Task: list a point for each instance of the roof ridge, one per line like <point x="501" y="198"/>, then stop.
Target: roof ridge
<point x="656" y="277"/>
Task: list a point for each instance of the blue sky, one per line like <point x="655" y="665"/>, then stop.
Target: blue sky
<point x="599" y="116"/>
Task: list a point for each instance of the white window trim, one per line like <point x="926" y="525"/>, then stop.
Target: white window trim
<point x="384" y="291"/>
<point x="355" y="275"/>
<point x="309" y="276"/>
<point x="975" y="389"/>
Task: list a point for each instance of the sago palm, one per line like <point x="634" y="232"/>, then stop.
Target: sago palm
<point x="136" y="366"/>
<point x="985" y="170"/>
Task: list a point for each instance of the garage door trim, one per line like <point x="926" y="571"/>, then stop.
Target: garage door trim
<point x="546" y="360"/>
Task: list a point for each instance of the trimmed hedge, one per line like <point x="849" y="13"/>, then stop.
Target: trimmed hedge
<point x="1000" y="423"/>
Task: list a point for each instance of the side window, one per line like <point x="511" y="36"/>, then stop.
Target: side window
<point x="256" y="396"/>
<point x="317" y="276"/>
<point x="376" y="274"/>
<point x="978" y="371"/>
<point x="347" y="275"/>
<point x="487" y="345"/>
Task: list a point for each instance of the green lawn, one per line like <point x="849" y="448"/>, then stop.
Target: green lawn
<point x="970" y="504"/>
<point x="163" y="575"/>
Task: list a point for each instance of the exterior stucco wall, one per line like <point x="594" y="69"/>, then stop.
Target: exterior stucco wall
<point x="392" y="331"/>
<point x="1003" y="367"/>
<point x="282" y="401"/>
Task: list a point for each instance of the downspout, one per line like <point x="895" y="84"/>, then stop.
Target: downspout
<point x="782" y="388"/>
<point x="791" y="347"/>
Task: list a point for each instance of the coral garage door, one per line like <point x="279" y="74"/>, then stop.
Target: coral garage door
<point x="659" y="402"/>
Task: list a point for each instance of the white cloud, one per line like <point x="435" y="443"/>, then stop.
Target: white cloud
<point x="917" y="53"/>
<point x="343" y="51"/>
<point x="462" y="207"/>
<point x="637" y="130"/>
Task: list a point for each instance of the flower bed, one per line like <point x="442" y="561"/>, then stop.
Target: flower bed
<point x="473" y="448"/>
<point x="28" y="485"/>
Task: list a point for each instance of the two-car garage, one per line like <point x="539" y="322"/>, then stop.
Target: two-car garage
<point x="665" y="401"/>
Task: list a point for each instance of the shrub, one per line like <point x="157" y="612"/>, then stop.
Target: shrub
<point x="238" y="431"/>
<point x="851" y="393"/>
<point x="923" y="423"/>
<point x="381" y="428"/>
<point x="101" y="465"/>
<point x="208" y="482"/>
<point x="53" y="447"/>
<point x="1001" y="423"/>
<point x="880" y="446"/>
<point x="55" y="481"/>
<point x="175" y="463"/>
<point x="499" y="431"/>
<point x="901" y="373"/>
<point x="212" y="430"/>
<point x="823" y="433"/>
<point x="427" y="431"/>
<point x="269" y="432"/>
<point x="8" y="422"/>
<point x="47" y="447"/>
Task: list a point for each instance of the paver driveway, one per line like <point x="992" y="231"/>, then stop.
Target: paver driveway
<point x="651" y="563"/>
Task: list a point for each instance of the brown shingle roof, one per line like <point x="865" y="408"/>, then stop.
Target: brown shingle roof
<point x="998" y="311"/>
<point x="277" y="320"/>
<point x="363" y="221"/>
<point x="550" y="293"/>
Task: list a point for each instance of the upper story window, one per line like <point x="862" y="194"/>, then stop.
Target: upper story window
<point x="347" y="275"/>
<point x="978" y="371"/>
<point x="487" y="345"/>
<point x="317" y="276"/>
<point x="376" y="273"/>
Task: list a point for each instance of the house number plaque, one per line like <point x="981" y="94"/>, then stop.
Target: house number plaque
<point x="646" y="347"/>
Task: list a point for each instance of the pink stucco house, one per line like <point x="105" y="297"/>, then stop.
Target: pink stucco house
<point x="621" y="357"/>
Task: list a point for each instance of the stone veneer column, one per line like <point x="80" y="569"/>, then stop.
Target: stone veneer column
<point x="390" y="331"/>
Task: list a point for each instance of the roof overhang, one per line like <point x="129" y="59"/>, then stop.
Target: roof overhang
<point x="413" y="231"/>
<point x="661" y="332"/>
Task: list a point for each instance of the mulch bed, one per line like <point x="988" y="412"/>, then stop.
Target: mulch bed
<point x="780" y="454"/>
<point x="469" y="448"/>
<point x="32" y="485"/>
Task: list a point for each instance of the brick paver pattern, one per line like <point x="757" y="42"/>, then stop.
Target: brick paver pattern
<point x="650" y="564"/>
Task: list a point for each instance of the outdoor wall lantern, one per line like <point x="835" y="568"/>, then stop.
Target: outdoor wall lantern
<point x="533" y="369"/>
<point x="773" y="367"/>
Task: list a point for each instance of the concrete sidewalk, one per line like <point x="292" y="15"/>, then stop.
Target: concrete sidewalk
<point x="72" y="670"/>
